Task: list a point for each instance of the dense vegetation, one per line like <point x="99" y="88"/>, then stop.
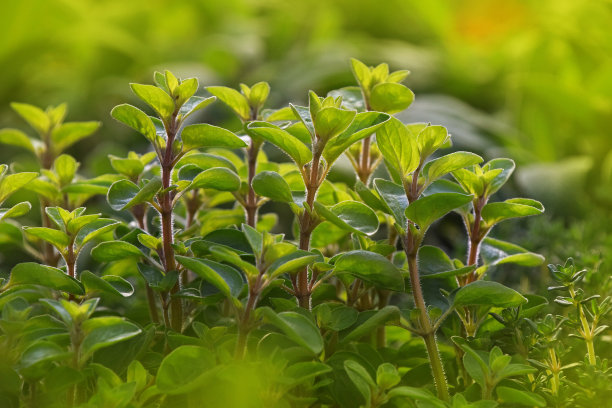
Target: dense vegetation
<point x="182" y="291"/>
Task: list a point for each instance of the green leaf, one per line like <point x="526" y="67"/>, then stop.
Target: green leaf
<point x="417" y="394"/>
<point x="292" y="262"/>
<point x="131" y="168"/>
<point x="398" y="146"/>
<point x="371" y="199"/>
<point x="496" y="252"/>
<point x="17" y="138"/>
<point x="156" y="98"/>
<point x="362" y="74"/>
<point x="304" y="115"/>
<point x="13" y="182"/>
<point x="205" y="135"/>
<point x="394" y="197"/>
<point x="186" y="90"/>
<point x="194" y="104"/>
<point x="136" y="119"/>
<point x="272" y="185"/>
<point x="352" y="98"/>
<point x="34" y="360"/>
<point x="351" y="215"/>
<point x="233" y="99"/>
<point x="492" y="213"/>
<point x="58" y="239"/>
<point x="297" y="327"/>
<point x="361" y="379"/>
<point x="507" y="168"/>
<point x="330" y="122"/>
<point x="449" y="163"/>
<point x="435" y="264"/>
<point x="297" y="150"/>
<point x="30" y="273"/>
<point x="93" y="230"/>
<point x="66" y="167"/>
<point x="363" y="125"/>
<point x="15" y="211"/>
<point x="488" y="293"/>
<point x="390" y="97"/>
<point x="233" y="258"/>
<point x="515" y="396"/>
<point x="206" y="272"/>
<point x="218" y="178"/>
<point x="368" y="322"/>
<point x="430" y="139"/>
<point x="124" y="194"/>
<point x="110" y="251"/>
<point x="205" y="161"/>
<point x="69" y="133"/>
<point x="35" y="116"/>
<point x="259" y="94"/>
<point x="109" y="284"/>
<point x="186" y="369"/>
<point x="426" y="210"/>
<point x="102" y="332"/>
<point x="372" y="268"/>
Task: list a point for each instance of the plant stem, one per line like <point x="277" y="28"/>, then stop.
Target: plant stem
<point x="251" y="199"/>
<point x="363" y="171"/>
<point x="307" y="225"/>
<point x="429" y="335"/>
<point x="176" y="306"/>
<point x="245" y="325"/>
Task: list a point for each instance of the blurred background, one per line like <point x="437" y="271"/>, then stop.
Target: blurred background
<point x="526" y="79"/>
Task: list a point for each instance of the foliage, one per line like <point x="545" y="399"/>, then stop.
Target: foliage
<point x="356" y="308"/>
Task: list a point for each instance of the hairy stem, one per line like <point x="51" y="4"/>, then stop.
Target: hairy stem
<point x="428" y="332"/>
<point x="251" y="199"/>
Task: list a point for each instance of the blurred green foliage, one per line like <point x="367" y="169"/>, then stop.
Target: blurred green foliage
<point x="529" y="76"/>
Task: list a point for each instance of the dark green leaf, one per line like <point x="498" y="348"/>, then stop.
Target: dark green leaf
<point x="488" y="293"/>
<point x="372" y="268"/>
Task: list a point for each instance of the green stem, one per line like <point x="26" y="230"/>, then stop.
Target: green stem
<point x="428" y="333"/>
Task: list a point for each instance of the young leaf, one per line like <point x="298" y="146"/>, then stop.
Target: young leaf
<point x="390" y="97"/>
<point x="69" y="133"/>
<point x="297" y="150"/>
<point x="233" y="99"/>
<point x="13" y="182"/>
<point x="15" y="211"/>
<point x="35" y="116"/>
<point x="363" y="125"/>
<point x="430" y="139"/>
<point x="330" y="122"/>
<point x="136" y="119"/>
<point x="398" y="146"/>
<point x="372" y="268"/>
<point x="17" y="138"/>
<point x="58" y="239"/>
<point x="156" y="98"/>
